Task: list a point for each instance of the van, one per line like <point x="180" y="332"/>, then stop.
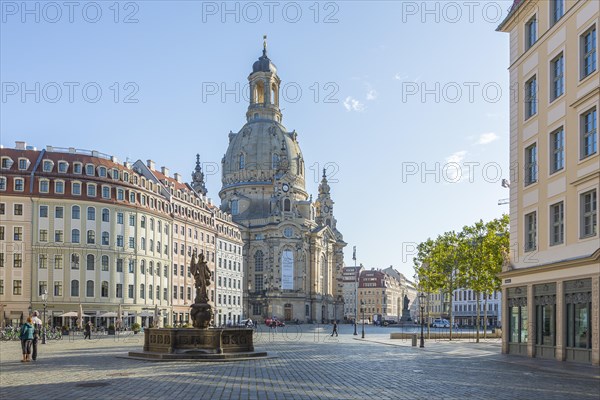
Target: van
<point x="440" y="323"/>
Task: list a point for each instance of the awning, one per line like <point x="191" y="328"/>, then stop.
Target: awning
<point x="108" y="315"/>
<point x="69" y="314"/>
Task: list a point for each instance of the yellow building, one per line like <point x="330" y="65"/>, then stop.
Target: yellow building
<point x="551" y="286"/>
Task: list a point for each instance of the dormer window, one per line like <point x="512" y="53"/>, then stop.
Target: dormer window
<point x="7" y="162"/>
<point x="47" y="166"/>
<point x="77" y="167"/>
<point x="125" y="176"/>
<point x="63" y="166"/>
<point x="115" y="174"/>
<point x="23" y="164"/>
<point x="89" y="169"/>
<point x="102" y="172"/>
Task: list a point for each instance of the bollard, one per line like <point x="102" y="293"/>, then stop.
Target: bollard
<point x="414" y="340"/>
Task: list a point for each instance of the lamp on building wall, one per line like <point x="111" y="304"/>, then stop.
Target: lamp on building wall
<point x="422" y="305"/>
<point x="45" y="300"/>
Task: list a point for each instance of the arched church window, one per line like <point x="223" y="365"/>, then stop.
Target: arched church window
<point x="287" y="205"/>
<point x="241" y="161"/>
<point x="258" y="261"/>
<point x="275" y="161"/>
<point x="234" y="207"/>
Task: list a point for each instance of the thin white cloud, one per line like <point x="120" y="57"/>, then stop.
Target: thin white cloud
<point x="371" y="94"/>
<point x="486" y="138"/>
<point x="351" y="104"/>
<point x="456" y="157"/>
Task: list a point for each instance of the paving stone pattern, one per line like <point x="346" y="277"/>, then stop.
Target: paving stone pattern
<point x="307" y="364"/>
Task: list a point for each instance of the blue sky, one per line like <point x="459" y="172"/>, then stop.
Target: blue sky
<point x="405" y="103"/>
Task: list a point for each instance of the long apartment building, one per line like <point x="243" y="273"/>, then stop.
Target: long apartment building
<point x="551" y="286"/>
<point x="99" y="236"/>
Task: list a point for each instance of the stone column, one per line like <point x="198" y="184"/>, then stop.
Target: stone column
<point x="530" y="321"/>
<point x="505" y="318"/>
<point x="561" y="315"/>
<point x="595" y="320"/>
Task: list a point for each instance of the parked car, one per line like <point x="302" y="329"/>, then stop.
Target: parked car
<point x="278" y="323"/>
<point x="366" y="321"/>
<point x="440" y="323"/>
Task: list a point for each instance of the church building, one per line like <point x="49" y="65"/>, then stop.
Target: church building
<point x="292" y="249"/>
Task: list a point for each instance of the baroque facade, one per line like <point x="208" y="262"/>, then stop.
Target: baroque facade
<point x="102" y="237"/>
<point x="551" y="286"/>
<point x="292" y="248"/>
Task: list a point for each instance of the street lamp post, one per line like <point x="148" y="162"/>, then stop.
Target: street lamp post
<point x="362" y="309"/>
<point x="422" y="305"/>
<point x="355" y="299"/>
<point x="45" y="300"/>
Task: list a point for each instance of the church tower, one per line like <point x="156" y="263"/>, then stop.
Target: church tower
<point x="198" y="178"/>
<point x="292" y="260"/>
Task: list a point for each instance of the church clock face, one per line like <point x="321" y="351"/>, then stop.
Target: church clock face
<point x="285" y="187"/>
<point x="326" y="209"/>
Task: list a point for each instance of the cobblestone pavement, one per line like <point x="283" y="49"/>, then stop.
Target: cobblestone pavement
<point x="308" y="364"/>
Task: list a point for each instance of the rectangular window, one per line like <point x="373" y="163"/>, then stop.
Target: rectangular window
<point x="120" y="218"/>
<point x="530" y="32"/>
<point x="120" y="194"/>
<point x="17" y="260"/>
<point x="58" y="288"/>
<point x="131" y="220"/>
<point x="58" y="261"/>
<point x="18" y="209"/>
<point x="546" y="324"/>
<point x="43" y="261"/>
<point x="589" y="133"/>
<point x="91" y="190"/>
<point x="76" y="189"/>
<point x="588" y="52"/>
<point x="131" y="266"/>
<point x="120" y="241"/>
<point x="19" y="184"/>
<point x="119" y="265"/>
<point x="74" y="261"/>
<point x="531" y="164"/>
<point x="589" y="214"/>
<point x="105" y="192"/>
<point x="59" y="212"/>
<point x="2" y="183"/>
<point x="43" y="235"/>
<point x="43" y="211"/>
<point x="130" y="291"/>
<point x="58" y="236"/>
<point x="119" y="291"/>
<point x="530" y="231"/>
<point x="131" y="242"/>
<point x="42" y="287"/>
<point x="181" y="292"/>
<point x="2" y="233"/>
<point x="59" y="187"/>
<point x="91" y="214"/>
<point x="531" y="97"/>
<point x="2" y="208"/>
<point x="557" y="224"/>
<point x="558" y="71"/>
<point x="557" y="10"/>
<point x="17" y="287"/>
<point x="44" y="186"/>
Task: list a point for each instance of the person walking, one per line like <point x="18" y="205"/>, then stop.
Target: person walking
<point x="335" y="331"/>
<point x="26" y="336"/>
<point x="37" y="332"/>
<point x="88" y="331"/>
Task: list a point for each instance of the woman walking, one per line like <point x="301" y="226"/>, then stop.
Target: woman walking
<point x="26" y="339"/>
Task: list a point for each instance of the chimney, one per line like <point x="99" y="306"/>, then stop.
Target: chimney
<point x="150" y="165"/>
<point x="177" y="177"/>
<point x="127" y="164"/>
<point x="20" y="145"/>
<point x="165" y="171"/>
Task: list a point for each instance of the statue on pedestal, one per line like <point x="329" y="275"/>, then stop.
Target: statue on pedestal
<point x="201" y="312"/>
